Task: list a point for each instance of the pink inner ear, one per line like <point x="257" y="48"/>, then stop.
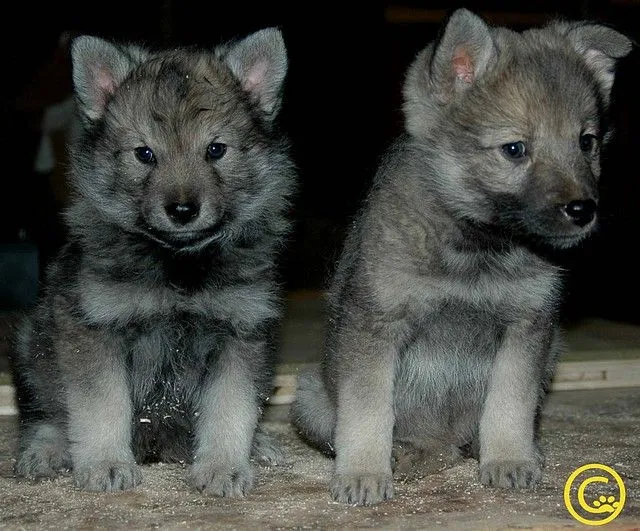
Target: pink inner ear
<point x="256" y="76"/>
<point x="463" y="65"/>
<point x="105" y="85"/>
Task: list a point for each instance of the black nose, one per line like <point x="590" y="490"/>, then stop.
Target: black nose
<point x="182" y="213"/>
<point x="581" y="212"/>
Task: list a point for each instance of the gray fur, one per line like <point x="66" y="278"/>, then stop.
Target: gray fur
<point x="443" y="307"/>
<point x="155" y="335"/>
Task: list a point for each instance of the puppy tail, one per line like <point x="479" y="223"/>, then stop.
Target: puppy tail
<point x="313" y="412"/>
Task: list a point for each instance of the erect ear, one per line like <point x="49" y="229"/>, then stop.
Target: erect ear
<point x="447" y="68"/>
<point x="600" y="46"/>
<point x="259" y="61"/>
<point x="462" y="54"/>
<point x="99" y="67"/>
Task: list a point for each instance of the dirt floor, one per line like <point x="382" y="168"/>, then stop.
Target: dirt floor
<point x="578" y="427"/>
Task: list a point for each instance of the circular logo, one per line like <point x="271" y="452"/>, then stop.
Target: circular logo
<point x="600" y="494"/>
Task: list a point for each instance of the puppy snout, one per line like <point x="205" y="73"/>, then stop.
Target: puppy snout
<point x="182" y="213"/>
<point x="581" y="211"/>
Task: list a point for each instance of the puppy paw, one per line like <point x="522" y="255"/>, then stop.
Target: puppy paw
<point x="233" y="482"/>
<point x="361" y="489"/>
<point x="107" y="476"/>
<point x="43" y="461"/>
<point x="510" y="474"/>
<point x="414" y="461"/>
<point x="265" y="450"/>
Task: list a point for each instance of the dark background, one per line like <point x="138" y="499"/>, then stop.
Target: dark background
<point x="341" y="109"/>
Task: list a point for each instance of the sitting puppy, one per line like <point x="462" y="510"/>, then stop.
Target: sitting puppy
<point x="154" y="338"/>
<point x="443" y="309"/>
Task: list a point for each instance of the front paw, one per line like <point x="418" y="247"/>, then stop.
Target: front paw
<point x="107" y="476"/>
<point x="228" y="481"/>
<point x="362" y="489"/>
<point x="510" y="474"/>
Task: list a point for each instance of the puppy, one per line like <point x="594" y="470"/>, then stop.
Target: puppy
<point x="154" y="339"/>
<point x="443" y="311"/>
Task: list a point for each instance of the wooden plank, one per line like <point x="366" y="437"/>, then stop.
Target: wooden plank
<point x="570" y="375"/>
<point x="597" y="374"/>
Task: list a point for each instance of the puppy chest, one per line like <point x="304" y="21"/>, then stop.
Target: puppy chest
<point x="450" y="351"/>
<point x="442" y="375"/>
<point x="168" y="366"/>
<point x="503" y="283"/>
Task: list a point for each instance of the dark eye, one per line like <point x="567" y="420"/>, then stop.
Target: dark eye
<point x="216" y="150"/>
<point x="587" y="142"/>
<point x="514" y="150"/>
<point x="145" y="155"/>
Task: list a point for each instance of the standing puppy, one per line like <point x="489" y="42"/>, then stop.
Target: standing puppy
<point x="443" y="317"/>
<point x="154" y="337"/>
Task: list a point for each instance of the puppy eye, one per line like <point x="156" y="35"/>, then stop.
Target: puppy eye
<point x="144" y="154"/>
<point x="587" y="141"/>
<point x="514" y="150"/>
<point x="216" y="150"/>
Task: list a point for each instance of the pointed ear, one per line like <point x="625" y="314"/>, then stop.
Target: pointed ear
<point x="461" y="55"/>
<point x="99" y="68"/>
<point x="259" y="61"/>
<point x="600" y="46"/>
<point x="446" y="68"/>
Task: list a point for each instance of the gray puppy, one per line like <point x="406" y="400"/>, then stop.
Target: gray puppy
<point x="443" y="312"/>
<point x="154" y="338"/>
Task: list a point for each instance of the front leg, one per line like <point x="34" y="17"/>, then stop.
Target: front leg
<point x="99" y="410"/>
<point x="365" y="419"/>
<point x="509" y="457"/>
<point x="228" y="417"/>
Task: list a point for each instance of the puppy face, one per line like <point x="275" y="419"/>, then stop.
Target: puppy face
<point x="177" y="145"/>
<point x="519" y="120"/>
<point x="185" y="149"/>
<point x="528" y="142"/>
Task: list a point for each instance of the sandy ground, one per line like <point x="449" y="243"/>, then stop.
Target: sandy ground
<point x="578" y="427"/>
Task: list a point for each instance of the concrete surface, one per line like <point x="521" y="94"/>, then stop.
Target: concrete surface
<point x="579" y="427"/>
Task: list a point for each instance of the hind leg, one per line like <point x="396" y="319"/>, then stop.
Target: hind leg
<point x="43" y="451"/>
<point x="422" y="457"/>
<point x="313" y="412"/>
<point x="44" y="447"/>
<point x="265" y="449"/>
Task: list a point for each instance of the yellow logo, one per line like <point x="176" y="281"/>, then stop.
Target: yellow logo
<point x="593" y="505"/>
